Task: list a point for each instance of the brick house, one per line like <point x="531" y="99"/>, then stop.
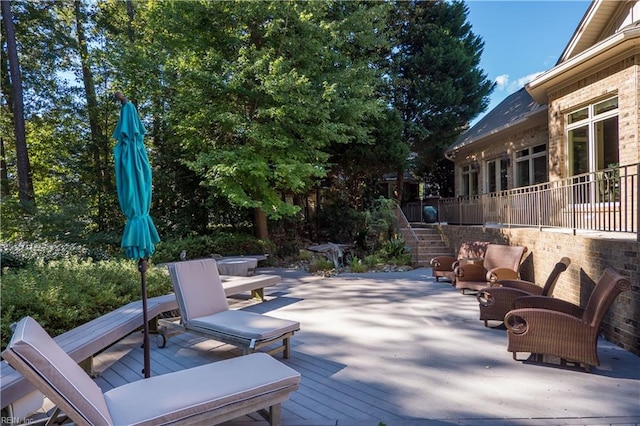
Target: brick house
<point x="576" y="125"/>
<point x="583" y="115"/>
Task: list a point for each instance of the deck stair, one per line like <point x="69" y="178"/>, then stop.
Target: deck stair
<point x="429" y="242"/>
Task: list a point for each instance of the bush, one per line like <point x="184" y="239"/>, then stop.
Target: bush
<point x="320" y="265"/>
<point x="356" y="265"/>
<point x="222" y="243"/>
<point x="395" y="251"/>
<point x="64" y="294"/>
<point x="23" y="253"/>
<point x="371" y="260"/>
<point x="338" y="223"/>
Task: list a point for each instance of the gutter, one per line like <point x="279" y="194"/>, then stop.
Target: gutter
<point x="607" y="49"/>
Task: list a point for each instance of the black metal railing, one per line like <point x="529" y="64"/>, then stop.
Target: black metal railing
<point x="606" y="201"/>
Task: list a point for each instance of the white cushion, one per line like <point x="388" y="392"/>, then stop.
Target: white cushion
<point x="198" y="288"/>
<point x="174" y="396"/>
<point x="248" y="325"/>
<point x="31" y="348"/>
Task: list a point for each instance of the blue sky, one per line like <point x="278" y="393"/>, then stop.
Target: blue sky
<point x="522" y="38"/>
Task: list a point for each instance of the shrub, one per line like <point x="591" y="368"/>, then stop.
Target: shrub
<point x="222" y="243"/>
<point x="320" y="265"/>
<point x="24" y="253"/>
<point x="356" y="265"/>
<point x="371" y="260"/>
<point x="393" y="248"/>
<point x="64" y="294"/>
<point x="305" y="255"/>
<point x="338" y="223"/>
<point x="395" y="251"/>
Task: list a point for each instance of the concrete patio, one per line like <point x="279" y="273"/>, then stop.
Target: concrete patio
<point x="402" y="349"/>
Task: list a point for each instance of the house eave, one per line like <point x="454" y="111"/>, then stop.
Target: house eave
<point x="627" y="41"/>
<point x="532" y="118"/>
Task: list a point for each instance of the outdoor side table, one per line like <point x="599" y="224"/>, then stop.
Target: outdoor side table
<point x="238" y="267"/>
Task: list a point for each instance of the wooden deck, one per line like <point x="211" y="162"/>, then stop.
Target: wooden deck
<point x="401" y="349"/>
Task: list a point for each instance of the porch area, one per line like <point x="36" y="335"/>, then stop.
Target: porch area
<point x="603" y="201"/>
<point x="400" y="349"/>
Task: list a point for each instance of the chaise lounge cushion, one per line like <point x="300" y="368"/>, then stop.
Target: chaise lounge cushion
<point x="202" y="298"/>
<point x="185" y="393"/>
<point x="32" y="345"/>
<point x="248" y="325"/>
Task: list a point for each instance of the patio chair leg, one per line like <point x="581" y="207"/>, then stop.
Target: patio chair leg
<point x="287" y="348"/>
<point x="273" y="416"/>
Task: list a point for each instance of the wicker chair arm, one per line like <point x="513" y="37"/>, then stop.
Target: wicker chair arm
<point x="523" y="285"/>
<point x="499" y="274"/>
<point x="504" y="296"/>
<point x="443" y="263"/>
<point x="548" y="303"/>
<point x="470" y="272"/>
<point x="545" y="323"/>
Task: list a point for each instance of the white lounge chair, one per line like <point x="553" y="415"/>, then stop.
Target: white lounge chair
<point x="208" y="394"/>
<point x="204" y="309"/>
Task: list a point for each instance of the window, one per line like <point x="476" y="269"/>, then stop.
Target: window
<point x="497" y="174"/>
<point x="470" y="179"/>
<point x="531" y="165"/>
<point x="592" y="133"/>
<point x="593" y="145"/>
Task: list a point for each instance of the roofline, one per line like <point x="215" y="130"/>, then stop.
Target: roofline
<point x="584" y="23"/>
<point x="610" y="48"/>
<point x="513" y="125"/>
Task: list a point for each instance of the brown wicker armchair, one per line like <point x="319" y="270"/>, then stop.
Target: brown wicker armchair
<point x="501" y="262"/>
<point x="497" y="299"/>
<point x="442" y="266"/>
<point x="550" y="326"/>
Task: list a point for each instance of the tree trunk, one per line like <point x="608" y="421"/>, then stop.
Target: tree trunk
<point x="262" y="231"/>
<point x="25" y="183"/>
<point x="99" y="145"/>
<point x="4" y="177"/>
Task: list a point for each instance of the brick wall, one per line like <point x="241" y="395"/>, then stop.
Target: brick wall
<point x="589" y="258"/>
<point x="621" y="79"/>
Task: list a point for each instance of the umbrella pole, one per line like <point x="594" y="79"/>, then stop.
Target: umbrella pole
<point x="142" y="267"/>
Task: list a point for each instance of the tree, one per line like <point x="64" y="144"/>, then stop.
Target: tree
<point x="436" y="82"/>
<point x="16" y="105"/>
<point x="99" y="146"/>
<point x="357" y="168"/>
<point x="264" y="89"/>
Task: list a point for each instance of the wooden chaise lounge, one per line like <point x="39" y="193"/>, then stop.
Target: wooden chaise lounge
<point x="208" y="394"/>
<point x="204" y="310"/>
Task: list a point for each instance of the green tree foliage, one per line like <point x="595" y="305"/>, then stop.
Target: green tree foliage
<point x="248" y="105"/>
<point x="264" y="89"/>
<point x="436" y="81"/>
<point x="61" y="151"/>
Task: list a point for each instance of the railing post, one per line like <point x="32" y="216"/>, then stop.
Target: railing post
<point x="539" y="203"/>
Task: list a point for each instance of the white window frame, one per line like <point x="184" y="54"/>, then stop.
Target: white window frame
<point x="592" y="119"/>
<point x="501" y="165"/>
<point x="530" y="157"/>
<point x="590" y="122"/>
<point x="470" y="186"/>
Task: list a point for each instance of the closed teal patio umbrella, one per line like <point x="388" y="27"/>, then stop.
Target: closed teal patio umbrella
<point x="133" y="182"/>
